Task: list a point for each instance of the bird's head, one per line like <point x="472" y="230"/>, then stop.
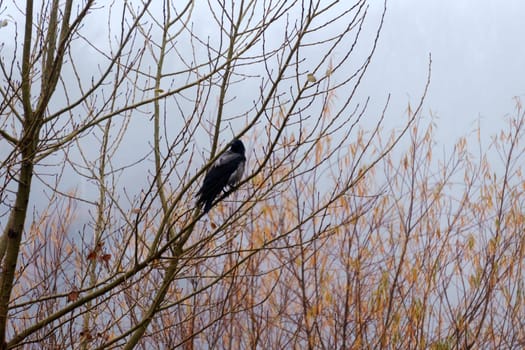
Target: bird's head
<point x="237" y="146"/>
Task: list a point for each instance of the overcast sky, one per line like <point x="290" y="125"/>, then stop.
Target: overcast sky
<point x="478" y="55"/>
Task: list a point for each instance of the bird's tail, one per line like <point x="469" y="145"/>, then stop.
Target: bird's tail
<point x="207" y="207"/>
<point x="203" y="203"/>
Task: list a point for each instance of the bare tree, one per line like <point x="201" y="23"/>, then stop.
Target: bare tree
<point x="134" y="101"/>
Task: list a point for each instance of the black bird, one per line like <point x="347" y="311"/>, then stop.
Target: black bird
<point x="226" y="171"/>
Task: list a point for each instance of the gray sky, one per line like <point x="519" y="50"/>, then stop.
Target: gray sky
<point x="478" y="61"/>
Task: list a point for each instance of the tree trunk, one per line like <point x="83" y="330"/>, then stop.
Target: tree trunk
<point x="12" y="238"/>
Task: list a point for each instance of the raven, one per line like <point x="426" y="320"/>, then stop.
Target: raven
<point x="226" y="171"/>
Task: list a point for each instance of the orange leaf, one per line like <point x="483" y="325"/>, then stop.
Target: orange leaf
<point x="73" y="295"/>
<point x="92" y="255"/>
<point x="105" y="259"/>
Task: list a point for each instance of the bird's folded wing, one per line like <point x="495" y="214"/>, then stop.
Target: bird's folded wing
<point x="220" y="173"/>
